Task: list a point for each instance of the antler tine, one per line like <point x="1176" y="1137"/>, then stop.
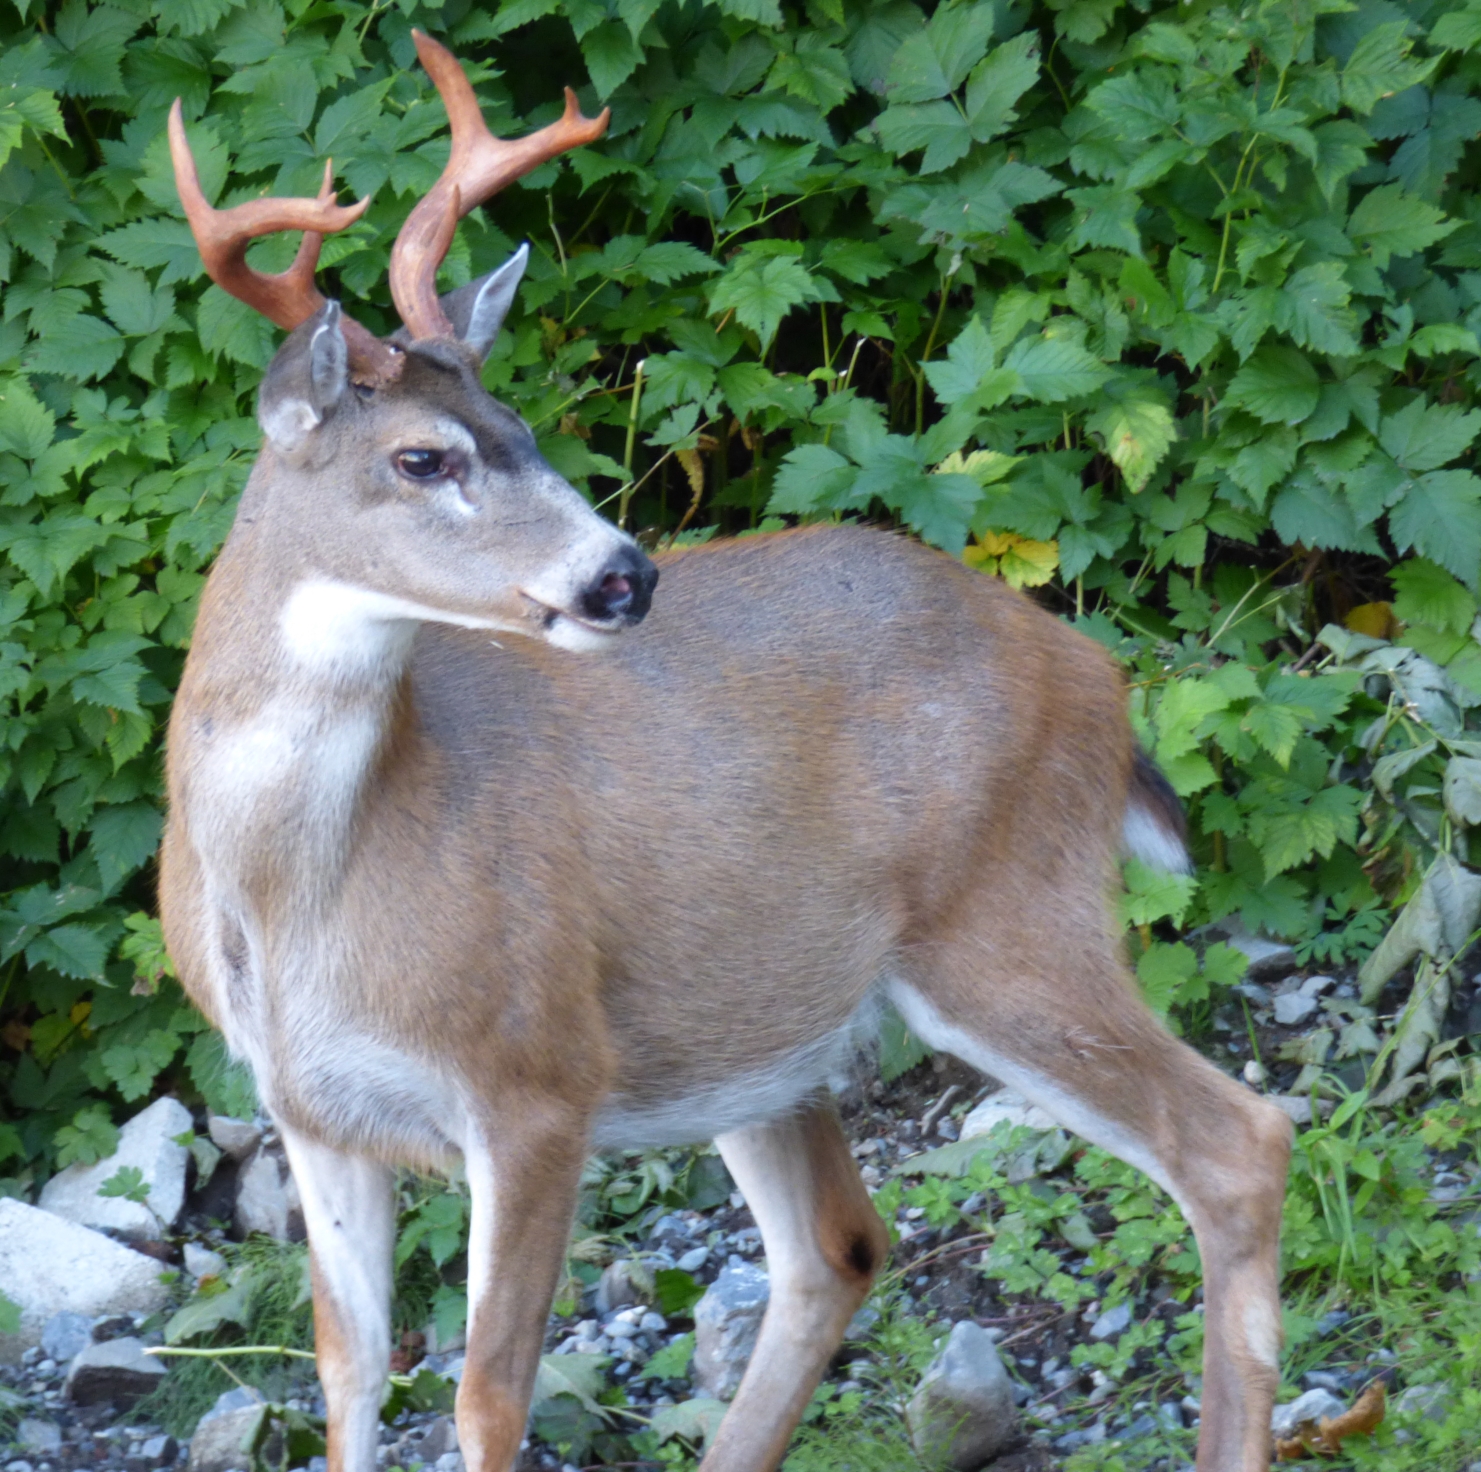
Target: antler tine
<point x="478" y="168"/>
<point x="223" y="236"/>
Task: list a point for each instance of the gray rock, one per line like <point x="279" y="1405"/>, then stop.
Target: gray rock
<point x="1293" y="1008"/>
<point x="51" y="1266"/>
<point x="147" y="1143"/>
<point x="693" y="1260"/>
<point x="427" y="1444"/>
<point x="1298" y="1106"/>
<point x="201" y="1262"/>
<point x="1309" y="1407"/>
<point x="267" y="1198"/>
<point x="117" y="1370"/>
<point x="64" y="1336"/>
<point x="624" y="1282"/>
<point x="1269" y="959"/>
<point x="1430" y="1401"/>
<point x="1112" y="1322"/>
<point x="159" y="1451"/>
<point x="222" y="1434"/>
<point x="38" y="1436"/>
<point x="234" y="1138"/>
<point x="962" y="1415"/>
<point x="726" y="1322"/>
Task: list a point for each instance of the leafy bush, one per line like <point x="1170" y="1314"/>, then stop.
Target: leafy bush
<point x="1166" y="312"/>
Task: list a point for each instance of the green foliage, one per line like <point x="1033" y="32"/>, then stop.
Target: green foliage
<point x="127" y="1182"/>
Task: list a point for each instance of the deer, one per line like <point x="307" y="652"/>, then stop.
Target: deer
<point x="484" y="857"/>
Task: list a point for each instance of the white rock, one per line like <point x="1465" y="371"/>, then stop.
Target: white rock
<point x="1007" y="1105"/>
<point x="726" y="1322"/>
<point x="1309" y="1407"/>
<point x="1314" y="986"/>
<point x="267" y="1198"/>
<point x="116" y="1370"/>
<point x="1293" y="1008"/>
<point x="49" y="1266"/>
<point x="201" y="1262"/>
<point x="147" y="1143"/>
<point x="962" y="1415"/>
<point x="235" y="1138"/>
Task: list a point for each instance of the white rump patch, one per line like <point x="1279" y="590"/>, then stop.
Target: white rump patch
<point x="1146" y="839"/>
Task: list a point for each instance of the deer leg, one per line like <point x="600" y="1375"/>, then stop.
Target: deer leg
<point x="523" y="1175"/>
<point x="348" y="1208"/>
<point x="824" y="1243"/>
<point x="1088" y="1051"/>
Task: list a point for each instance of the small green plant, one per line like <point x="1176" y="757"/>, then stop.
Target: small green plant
<point x="128" y="1183"/>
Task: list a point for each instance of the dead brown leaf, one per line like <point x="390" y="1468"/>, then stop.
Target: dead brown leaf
<point x="1362" y="1418"/>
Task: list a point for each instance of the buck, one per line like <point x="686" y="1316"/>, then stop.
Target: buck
<point x="474" y="863"/>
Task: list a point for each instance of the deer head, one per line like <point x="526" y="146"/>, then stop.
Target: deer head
<point x="400" y="488"/>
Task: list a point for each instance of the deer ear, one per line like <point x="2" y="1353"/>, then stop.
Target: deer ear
<point x="477" y="311"/>
<point x="305" y="381"/>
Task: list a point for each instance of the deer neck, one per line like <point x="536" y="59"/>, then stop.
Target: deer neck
<point x="293" y="692"/>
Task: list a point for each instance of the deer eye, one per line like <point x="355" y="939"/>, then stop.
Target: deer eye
<point x="422" y="464"/>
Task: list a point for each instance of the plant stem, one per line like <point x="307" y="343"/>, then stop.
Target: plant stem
<point x="625" y="498"/>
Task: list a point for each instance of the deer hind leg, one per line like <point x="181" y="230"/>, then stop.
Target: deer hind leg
<point x="349" y="1211"/>
<point x="1066" y="1027"/>
<point x="824" y="1243"/>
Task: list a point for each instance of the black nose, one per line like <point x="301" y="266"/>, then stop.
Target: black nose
<point x="623" y="590"/>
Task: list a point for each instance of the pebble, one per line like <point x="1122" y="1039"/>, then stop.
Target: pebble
<point x="1112" y="1322"/>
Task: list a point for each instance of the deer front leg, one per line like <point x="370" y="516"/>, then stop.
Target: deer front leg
<point x="824" y="1243"/>
<point x="348" y="1208"/>
<point x="523" y="1175"/>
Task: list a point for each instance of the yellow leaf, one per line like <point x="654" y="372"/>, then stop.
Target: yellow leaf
<point x="1376" y="620"/>
<point x="997" y="543"/>
<point x="1028" y="564"/>
<point x="1020" y="562"/>
<point x="985" y="466"/>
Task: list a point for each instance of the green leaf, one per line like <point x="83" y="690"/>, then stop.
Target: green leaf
<point x="810" y="478"/>
<point x="1424" y="436"/>
<point x="123" y="837"/>
<point x="1439" y="517"/>
<point x="612" y="55"/>
<point x="933" y="62"/>
<point x="997" y="83"/>
<point x="1142" y="104"/>
<point x="1387" y="223"/>
<point x="1380" y="65"/>
<point x="1278" y="386"/>
<point x="761" y="291"/>
<point x="26" y="425"/>
<point x="1052" y="369"/>
<point x="1154" y="894"/>
<point x="1317" y="314"/>
<point x="1137" y="434"/>
<point x="1427" y="594"/>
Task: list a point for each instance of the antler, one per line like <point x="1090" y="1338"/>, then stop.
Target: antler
<point x="479" y="167"/>
<point x="290" y="297"/>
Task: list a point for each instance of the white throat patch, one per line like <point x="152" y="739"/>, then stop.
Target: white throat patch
<point x="335" y="628"/>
